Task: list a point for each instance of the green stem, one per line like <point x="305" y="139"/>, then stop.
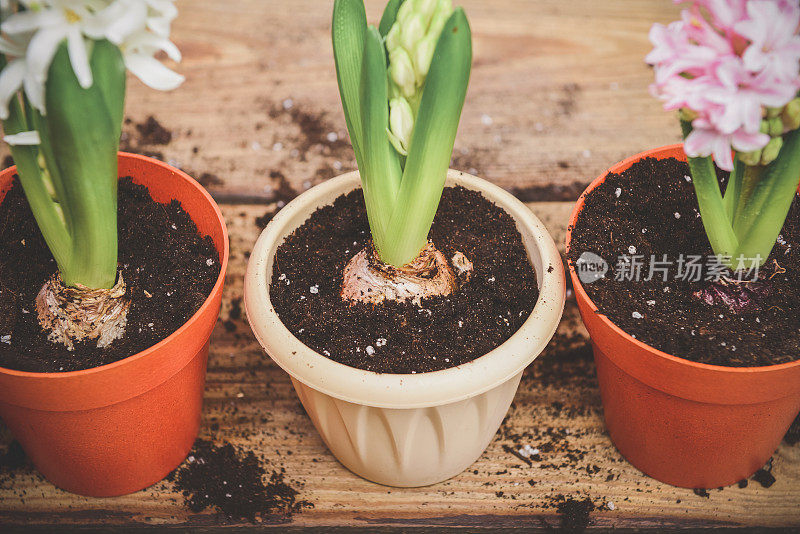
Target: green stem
<point x="712" y="209"/>
<point x="431" y="142"/>
<point x="731" y="197"/>
<point x="44" y="207"/>
<point x="745" y="212"/>
<point x="79" y="143"/>
<point x="762" y="218"/>
<point x="381" y="172"/>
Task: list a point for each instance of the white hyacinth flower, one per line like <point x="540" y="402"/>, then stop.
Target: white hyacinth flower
<point x="52" y="22"/>
<point x="23" y="138"/>
<point x="140" y="28"/>
<point x="160" y="17"/>
<point x="17" y="74"/>
<point x="138" y="52"/>
<point x="124" y="18"/>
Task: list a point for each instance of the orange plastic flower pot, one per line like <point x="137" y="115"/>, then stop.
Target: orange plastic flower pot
<point x="687" y="424"/>
<point x="119" y="428"/>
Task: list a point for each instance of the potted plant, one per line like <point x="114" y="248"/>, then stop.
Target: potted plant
<point x="104" y="328"/>
<point x="686" y="274"/>
<point x="382" y="303"/>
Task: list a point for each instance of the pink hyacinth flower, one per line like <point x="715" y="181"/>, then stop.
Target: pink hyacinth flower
<point x="727" y="60"/>
<point x="706" y="140"/>
<point x="724" y="13"/>
<point x="772" y="27"/>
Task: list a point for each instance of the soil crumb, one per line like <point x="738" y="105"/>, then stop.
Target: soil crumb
<point x="12" y="461"/>
<point x="151" y="132"/>
<point x="144" y="138"/>
<point x="574" y="514"/>
<point x="234" y="483"/>
<point x="314" y="128"/>
<point x="12" y="458"/>
<point x="764" y="475"/>
<point x="793" y="435"/>
<point x="263" y="220"/>
<point x="283" y="192"/>
<point x="207" y="179"/>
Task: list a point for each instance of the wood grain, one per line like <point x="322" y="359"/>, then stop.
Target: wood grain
<point x="254" y="406"/>
<point x="558" y="93"/>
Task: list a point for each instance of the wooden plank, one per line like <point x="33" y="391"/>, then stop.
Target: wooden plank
<point x="557" y="410"/>
<point x="558" y="92"/>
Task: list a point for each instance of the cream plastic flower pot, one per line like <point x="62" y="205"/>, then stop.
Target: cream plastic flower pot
<point x="416" y="429"/>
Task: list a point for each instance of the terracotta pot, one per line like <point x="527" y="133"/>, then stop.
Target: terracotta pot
<point x="413" y="429"/>
<point x="116" y="429"/>
<point x="687" y="424"/>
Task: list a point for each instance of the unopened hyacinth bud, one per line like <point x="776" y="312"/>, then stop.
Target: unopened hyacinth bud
<point x="401" y="123"/>
<point x="751" y="158"/>
<point x="402" y="73"/>
<point x="411" y="43"/>
<point x="413" y="30"/>
<point x="423" y="56"/>
<point x="772" y="127"/>
<point x="687" y="115"/>
<point x="770" y="152"/>
<point x="775" y="127"/>
<point x="791" y="115"/>
<point x="771" y="113"/>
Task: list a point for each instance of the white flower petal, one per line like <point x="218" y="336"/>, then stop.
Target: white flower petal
<point x="169" y="47"/>
<point x="96" y="5"/>
<point x="23" y="138"/>
<point x="79" y="58"/>
<point x="10" y="82"/>
<point x="152" y="72"/>
<point x="126" y="23"/>
<point x="159" y="26"/>
<point x="166" y="8"/>
<point x="41" y="50"/>
<point x="34" y="90"/>
<point x="148" y="43"/>
<point x="95" y="27"/>
<point x="140" y="28"/>
<point x="28" y="21"/>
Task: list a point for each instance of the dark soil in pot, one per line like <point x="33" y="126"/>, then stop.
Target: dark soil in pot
<point x="651" y="210"/>
<point x="168" y="267"/>
<point x="398" y="337"/>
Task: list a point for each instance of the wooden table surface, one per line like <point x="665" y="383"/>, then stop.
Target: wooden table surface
<point x="558" y="93"/>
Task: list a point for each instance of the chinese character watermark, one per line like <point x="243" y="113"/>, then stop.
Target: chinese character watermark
<point x="591" y="267"/>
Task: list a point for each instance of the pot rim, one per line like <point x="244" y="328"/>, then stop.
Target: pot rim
<point x="206" y="303"/>
<point x="404" y="391"/>
<point x="664" y="151"/>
